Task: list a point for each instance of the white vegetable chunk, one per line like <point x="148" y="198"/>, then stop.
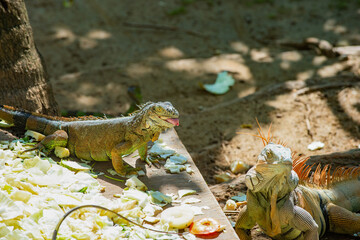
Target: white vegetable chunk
<point x="178" y="217"/>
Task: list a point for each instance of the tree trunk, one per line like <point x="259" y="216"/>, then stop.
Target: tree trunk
<point x="23" y="79"/>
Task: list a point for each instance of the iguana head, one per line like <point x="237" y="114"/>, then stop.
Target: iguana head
<point x="275" y="154"/>
<point x="160" y="115"/>
<point x="273" y="168"/>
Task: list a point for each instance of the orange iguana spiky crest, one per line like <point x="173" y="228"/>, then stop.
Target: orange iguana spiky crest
<point x="323" y="177"/>
<point x="54" y="118"/>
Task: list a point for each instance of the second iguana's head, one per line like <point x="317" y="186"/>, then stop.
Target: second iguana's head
<point x="161" y="115"/>
<point x="275" y="154"/>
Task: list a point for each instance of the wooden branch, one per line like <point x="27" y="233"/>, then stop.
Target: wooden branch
<point x="314" y="88"/>
<point x="307" y="120"/>
<point x="163" y="28"/>
<point x="348" y="158"/>
<point x="321" y="47"/>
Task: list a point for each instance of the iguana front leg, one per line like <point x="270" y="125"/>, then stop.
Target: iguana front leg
<point x="244" y="224"/>
<point x="117" y="153"/>
<point x="300" y="219"/>
<point x="143" y="149"/>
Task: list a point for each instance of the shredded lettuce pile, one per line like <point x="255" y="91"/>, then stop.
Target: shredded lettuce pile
<point x="35" y="192"/>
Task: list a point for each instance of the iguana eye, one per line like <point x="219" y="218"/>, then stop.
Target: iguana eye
<point x="159" y="109"/>
<point x="268" y="153"/>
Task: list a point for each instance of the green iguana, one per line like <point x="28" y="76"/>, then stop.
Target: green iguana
<point x="289" y="201"/>
<point x="99" y="139"/>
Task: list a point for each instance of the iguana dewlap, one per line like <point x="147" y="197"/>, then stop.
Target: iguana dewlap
<point x="99" y="139"/>
<point x="287" y="206"/>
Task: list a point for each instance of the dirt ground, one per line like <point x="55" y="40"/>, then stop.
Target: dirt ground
<point x="95" y="50"/>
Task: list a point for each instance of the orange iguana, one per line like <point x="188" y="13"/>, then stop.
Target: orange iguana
<point x="99" y="139"/>
<point x="289" y="201"/>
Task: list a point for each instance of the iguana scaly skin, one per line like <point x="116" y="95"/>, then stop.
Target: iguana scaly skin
<point x="287" y="203"/>
<point x="99" y="139"/>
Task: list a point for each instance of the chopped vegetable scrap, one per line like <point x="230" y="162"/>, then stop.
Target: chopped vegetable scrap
<point x="223" y="177"/>
<point x="37" y="136"/>
<point x="239" y="166"/>
<point x="160" y="150"/>
<point x="230" y="205"/>
<point x="185" y="192"/>
<point x="159" y="198"/>
<point x="134" y="182"/>
<point x="75" y="166"/>
<point x="240" y="197"/>
<point x="175" y="163"/>
<point x="191" y="200"/>
<point x="222" y="84"/>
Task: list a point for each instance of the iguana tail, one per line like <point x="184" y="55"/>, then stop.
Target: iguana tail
<point x="27" y="120"/>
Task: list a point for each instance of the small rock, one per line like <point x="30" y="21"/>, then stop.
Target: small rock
<point x="315" y="146"/>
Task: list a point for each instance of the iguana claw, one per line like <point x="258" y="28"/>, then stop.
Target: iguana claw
<point x="129" y="170"/>
<point x="154" y="162"/>
<point x="38" y="148"/>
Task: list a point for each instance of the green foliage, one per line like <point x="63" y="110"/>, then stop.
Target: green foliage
<point x="272" y="16"/>
<point x="80" y="113"/>
<point x="342" y="4"/>
<point x="183" y="4"/>
<point x="83" y="190"/>
<point x="177" y="11"/>
<point x="263" y="1"/>
<point x="68" y="3"/>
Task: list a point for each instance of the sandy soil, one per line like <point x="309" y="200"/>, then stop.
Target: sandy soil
<point x="96" y="50"/>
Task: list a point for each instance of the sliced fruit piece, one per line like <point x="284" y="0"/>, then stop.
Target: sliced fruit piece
<point x="204" y="226"/>
<point x="178" y="217"/>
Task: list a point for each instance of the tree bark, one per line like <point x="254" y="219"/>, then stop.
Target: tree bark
<point x="23" y="78"/>
<point x="349" y="158"/>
